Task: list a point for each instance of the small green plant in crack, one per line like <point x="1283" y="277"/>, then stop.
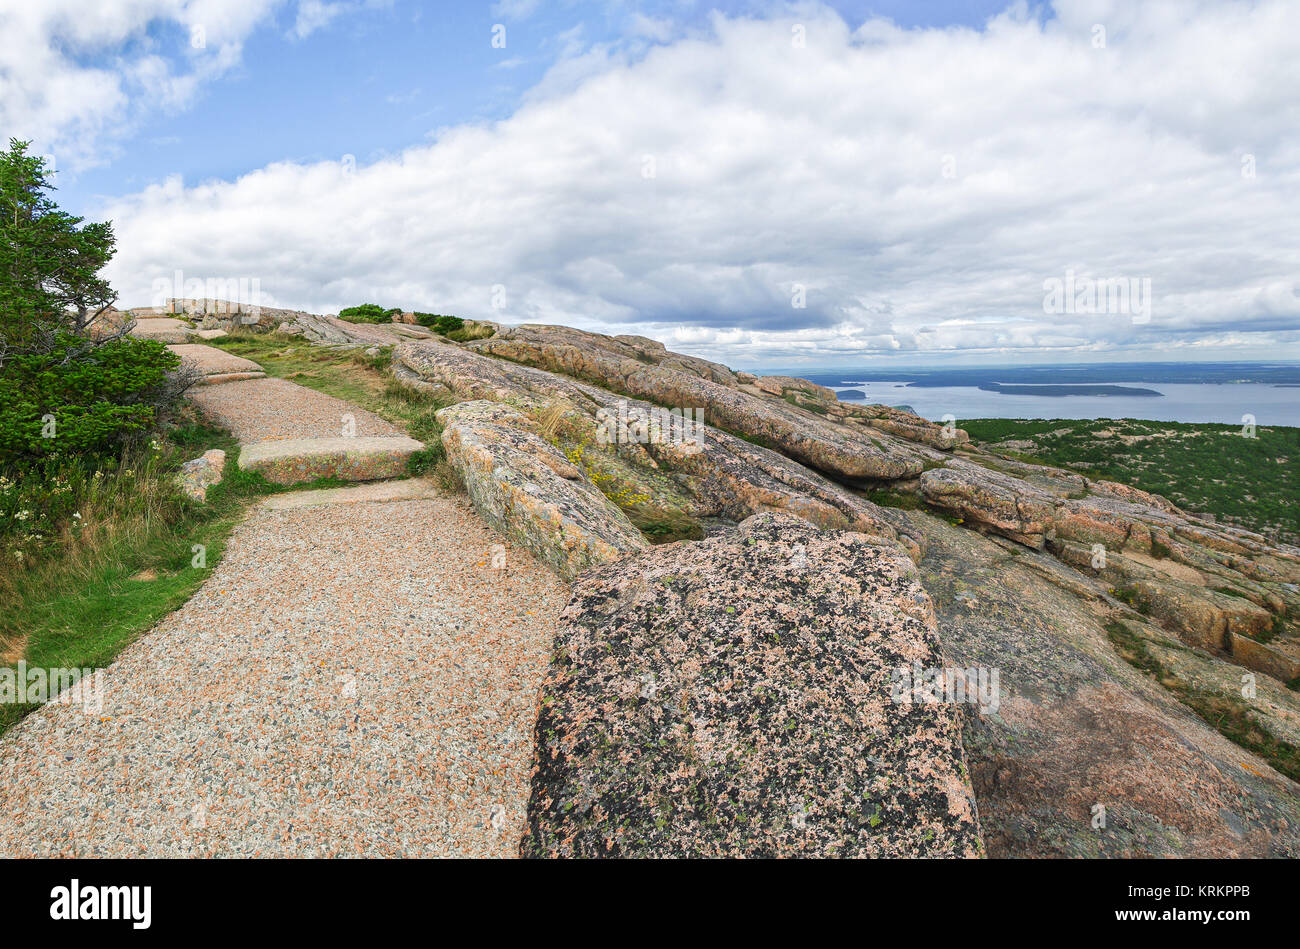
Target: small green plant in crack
<point x="884" y="497"/>
<point x="1132" y="597"/>
<point x="801" y="401"/>
<point x="610" y="485"/>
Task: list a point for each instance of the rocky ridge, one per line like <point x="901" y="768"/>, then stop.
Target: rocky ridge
<point x="1118" y="623"/>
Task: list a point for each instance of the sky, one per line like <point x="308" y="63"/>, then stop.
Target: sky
<point x="761" y="183"/>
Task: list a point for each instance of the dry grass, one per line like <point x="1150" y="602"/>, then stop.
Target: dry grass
<point x="559" y="422"/>
<point x="447" y="477"/>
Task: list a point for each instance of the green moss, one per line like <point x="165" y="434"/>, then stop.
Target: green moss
<point x="883" y="497"/>
<point x="803" y="401"/>
<point x="1131" y="596"/>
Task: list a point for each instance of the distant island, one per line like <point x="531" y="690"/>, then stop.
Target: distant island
<point x="1145" y="373"/>
<point x="1065" y="390"/>
<point x="851" y="395"/>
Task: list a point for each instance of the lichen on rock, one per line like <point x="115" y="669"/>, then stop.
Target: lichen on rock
<point x="735" y="697"/>
<point x="521" y="485"/>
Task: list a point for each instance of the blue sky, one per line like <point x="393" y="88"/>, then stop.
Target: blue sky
<point x="765" y="183"/>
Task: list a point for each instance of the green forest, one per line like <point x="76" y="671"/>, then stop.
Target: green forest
<point x="1243" y="478"/>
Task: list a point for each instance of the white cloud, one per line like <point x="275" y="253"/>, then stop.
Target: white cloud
<point x="660" y="30"/>
<point x="75" y="76"/>
<point x="314" y="14"/>
<point x="920" y="184"/>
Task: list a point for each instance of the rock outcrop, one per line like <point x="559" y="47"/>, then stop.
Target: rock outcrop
<point x="1222" y="589"/>
<point x="1145" y="652"/>
<point x="626" y="365"/>
<point x="738" y="697"/>
<point x="359" y="458"/>
<point x="1082" y="735"/>
<point x="110" y="323"/>
<point x="524" y="487"/>
<point x="330" y="330"/>
<point x="723" y="476"/>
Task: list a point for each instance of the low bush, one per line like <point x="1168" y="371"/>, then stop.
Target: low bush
<point x="368" y="313"/>
<point x="79" y="399"/>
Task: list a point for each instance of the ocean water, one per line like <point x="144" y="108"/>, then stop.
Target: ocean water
<point x="1178" y="402"/>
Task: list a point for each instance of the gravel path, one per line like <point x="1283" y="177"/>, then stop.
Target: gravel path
<point x="354" y="680"/>
<point x="259" y="410"/>
<point x="212" y="361"/>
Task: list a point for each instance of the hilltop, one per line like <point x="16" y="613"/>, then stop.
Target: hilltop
<point x="797" y="625"/>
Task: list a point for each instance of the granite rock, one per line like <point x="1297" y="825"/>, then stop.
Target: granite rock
<point x="736" y="698"/>
<point x="525" y="488"/>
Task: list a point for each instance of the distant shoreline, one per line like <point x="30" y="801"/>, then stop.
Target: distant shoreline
<point x="1060" y="391"/>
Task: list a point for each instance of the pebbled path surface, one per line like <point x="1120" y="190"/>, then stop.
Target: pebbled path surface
<point x="258" y="410"/>
<point x="352" y="680"/>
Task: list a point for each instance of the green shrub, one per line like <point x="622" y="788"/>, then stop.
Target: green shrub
<point x="440" y="323"/>
<point x="367" y="313"/>
<point x="79" y="399"/>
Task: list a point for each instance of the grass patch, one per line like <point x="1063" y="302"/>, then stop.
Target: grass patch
<point x="1133" y="649"/>
<point x="470" y="331"/>
<point x="883" y="497"/>
<point x="802" y="401"/>
<point x="664" y="525"/>
<point x="1228" y="714"/>
<point x="82" y="598"/>
<point x="447" y="477"/>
